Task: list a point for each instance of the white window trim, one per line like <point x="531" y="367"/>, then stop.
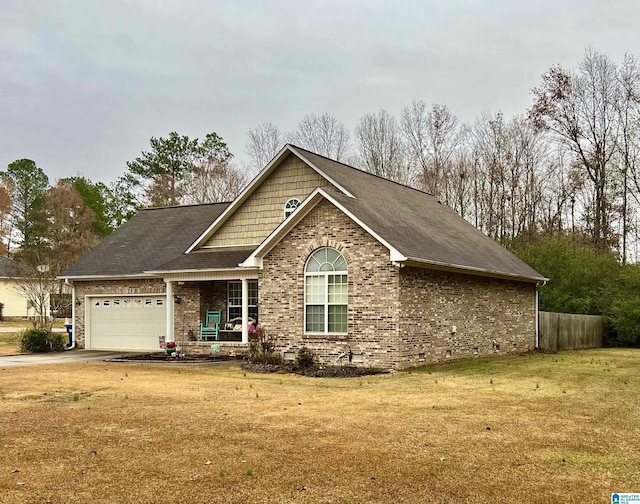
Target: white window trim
<point x="229" y="305"/>
<point x="326" y="303"/>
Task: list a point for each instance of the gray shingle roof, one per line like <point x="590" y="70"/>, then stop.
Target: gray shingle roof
<point x="152" y="237"/>
<point x="412" y="222"/>
<point x="206" y="259"/>
<point x="416" y="224"/>
<point x="8" y="268"/>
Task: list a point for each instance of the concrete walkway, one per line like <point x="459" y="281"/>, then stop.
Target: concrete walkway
<point x="70" y="357"/>
<point x="83" y="356"/>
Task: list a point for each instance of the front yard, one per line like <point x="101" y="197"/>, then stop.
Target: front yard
<point x="9" y="329"/>
<point x="529" y="429"/>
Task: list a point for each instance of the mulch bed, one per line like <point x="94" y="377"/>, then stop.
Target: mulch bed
<point x="315" y="372"/>
<point x="163" y="357"/>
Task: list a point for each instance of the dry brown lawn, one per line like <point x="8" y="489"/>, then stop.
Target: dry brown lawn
<point x="528" y="429"/>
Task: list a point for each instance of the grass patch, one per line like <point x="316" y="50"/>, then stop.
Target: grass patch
<point x="9" y="343"/>
<point x="541" y="431"/>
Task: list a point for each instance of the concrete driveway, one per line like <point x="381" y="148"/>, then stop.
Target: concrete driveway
<point x="70" y="357"/>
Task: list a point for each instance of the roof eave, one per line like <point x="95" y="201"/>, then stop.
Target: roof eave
<point x="197" y="270"/>
<point x="470" y="270"/>
<point x="107" y="277"/>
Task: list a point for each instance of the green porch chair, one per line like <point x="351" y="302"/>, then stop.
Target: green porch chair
<point x="211" y="326"/>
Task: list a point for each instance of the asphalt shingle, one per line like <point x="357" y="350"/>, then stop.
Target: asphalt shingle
<point x="150" y="238"/>
<point x="417" y="224"/>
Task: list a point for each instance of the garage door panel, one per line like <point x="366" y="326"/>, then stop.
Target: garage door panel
<point x="126" y="323"/>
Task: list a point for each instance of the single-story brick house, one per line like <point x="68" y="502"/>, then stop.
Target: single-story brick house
<point x="324" y="256"/>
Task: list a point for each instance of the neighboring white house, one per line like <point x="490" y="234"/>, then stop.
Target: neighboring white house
<point x="15" y="303"/>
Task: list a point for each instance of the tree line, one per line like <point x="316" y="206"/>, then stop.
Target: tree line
<point x="570" y="163"/>
<point x="564" y="173"/>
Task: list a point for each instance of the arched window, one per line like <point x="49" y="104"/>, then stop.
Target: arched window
<point x="290" y="206"/>
<point x="325" y="292"/>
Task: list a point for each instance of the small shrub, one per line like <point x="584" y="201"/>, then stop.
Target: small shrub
<point x="41" y="340"/>
<point x="305" y="359"/>
<point x="262" y="349"/>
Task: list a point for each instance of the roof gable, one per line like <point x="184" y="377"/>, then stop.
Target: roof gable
<point x="414" y="225"/>
<point x="255" y="259"/>
<point x="323" y="179"/>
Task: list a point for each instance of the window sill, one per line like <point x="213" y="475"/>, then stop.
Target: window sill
<point x="331" y="336"/>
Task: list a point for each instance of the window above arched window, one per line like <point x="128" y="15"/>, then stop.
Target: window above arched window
<point x="326" y="292"/>
<point x="290" y="206"/>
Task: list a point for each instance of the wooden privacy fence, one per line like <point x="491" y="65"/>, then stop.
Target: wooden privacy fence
<point x="566" y="331"/>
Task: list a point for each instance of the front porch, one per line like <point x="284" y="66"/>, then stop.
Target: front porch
<point x="233" y="300"/>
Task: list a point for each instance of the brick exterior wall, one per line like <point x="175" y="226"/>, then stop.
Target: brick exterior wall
<point x="483" y="311"/>
<point x="373" y="299"/>
<point x="398" y="318"/>
<point x="195" y="299"/>
<point x="108" y="288"/>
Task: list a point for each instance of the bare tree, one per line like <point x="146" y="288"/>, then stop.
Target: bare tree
<point x="69" y="233"/>
<point x="324" y="135"/>
<point x="491" y="149"/>
<point x="213" y="181"/>
<point x="432" y="137"/>
<point x="628" y="109"/>
<point x="579" y="109"/>
<point x="36" y="283"/>
<point x="263" y="143"/>
<point x="6" y="190"/>
<point x="381" y="148"/>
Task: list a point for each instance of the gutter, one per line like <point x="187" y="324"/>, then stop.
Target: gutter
<point x="414" y="261"/>
<point x="105" y="277"/>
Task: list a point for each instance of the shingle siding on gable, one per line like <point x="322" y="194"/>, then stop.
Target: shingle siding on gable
<point x="373" y="290"/>
<point x="263" y="211"/>
<point x="483" y="310"/>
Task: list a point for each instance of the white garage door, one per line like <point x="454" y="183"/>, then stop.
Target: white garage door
<point x="126" y="323"/>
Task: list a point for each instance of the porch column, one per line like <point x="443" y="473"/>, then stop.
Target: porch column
<point x="169" y="311"/>
<point x="245" y="310"/>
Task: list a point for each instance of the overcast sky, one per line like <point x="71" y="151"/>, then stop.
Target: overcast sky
<point x="85" y="84"/>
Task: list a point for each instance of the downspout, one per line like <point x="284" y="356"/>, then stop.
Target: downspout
<point x="537" y="319"/>
<point x="538" y="284"/>
<point x="73" y="315"/>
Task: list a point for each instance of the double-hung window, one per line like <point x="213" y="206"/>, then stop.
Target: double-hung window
<point x="326" y="290"/>
<point x="234" y="299"/>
